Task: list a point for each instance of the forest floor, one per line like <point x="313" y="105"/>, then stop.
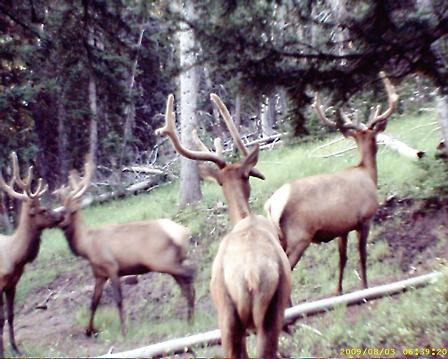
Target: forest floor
<point x="409" y="236"/>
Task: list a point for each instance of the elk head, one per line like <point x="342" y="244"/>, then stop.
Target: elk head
<point x="232" y="177"/>
<point x="39" y="216"/>
<point x="364" y="134"/>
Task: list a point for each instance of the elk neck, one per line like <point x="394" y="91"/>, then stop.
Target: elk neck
<point x="368" y="149"/>
<point x="76" y="234"/>
<point x="26" y="243"/>
<point x="237" y="202"/>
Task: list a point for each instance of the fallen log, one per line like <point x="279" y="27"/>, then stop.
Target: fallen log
<point x="383" y="139"/>
<point x="143" y="169"/>
<point x="399" y="146"/>
<point x="182" y="345"/>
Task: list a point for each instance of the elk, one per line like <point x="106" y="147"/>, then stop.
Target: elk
<point x="251" y="276"/>
<point x="320" y="208"/>
<point x="22" y="247"/>
<point x="115" y="250"/>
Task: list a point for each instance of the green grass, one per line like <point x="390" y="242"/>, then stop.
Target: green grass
<point x="314" y="276"/>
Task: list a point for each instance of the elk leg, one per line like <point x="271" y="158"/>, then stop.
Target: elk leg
<point x="268" y="331"/>
<point x="119" y="300"/>
<point x="2" y="324"/>
<point x="233" y="336"/>
<point x="187" y="289"/>
<point x="342" y="241"/>
<point x="363" y="233"/>
<point x="10" y="294"/>
<point x="98" y="291"/>
<point x="294" y="256"/>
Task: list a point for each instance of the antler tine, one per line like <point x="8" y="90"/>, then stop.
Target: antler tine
<point x="84" y="182"/>
<point x="392" y="99"/>
<point x="348" y="124"/>
<point x="233" y="132"/>
<point x="317" y="105"/>
<point x="22" y="183"/>
<point x="10" y="190"/>
<point x="39" y="191"/>
<point x="197" y="141"/>
<point x="219" y="149"/>
<point x="170" y="130"/>
<point x="200" y="145"/>
<point x="229" y="123"/>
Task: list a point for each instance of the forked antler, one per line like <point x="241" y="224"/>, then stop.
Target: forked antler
<point x="24" y="184"/>
<point x="205" y="154"/>
<point x="392" y="99"/>
<point x="77" y="185"/>
<point x="170" y="130"/>
<point x="374" y="118"/>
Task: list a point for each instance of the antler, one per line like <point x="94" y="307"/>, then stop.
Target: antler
<point x="24" y="184"/>
<point x="170" y="130"/>
<point x="233" y="131"/>
<point x="392" y="99"/>
<point x="374" y="118"/>
<point x="80" y="184"/>
<point x="229" y="123"/>
<point x="346" y="124"/>
<point x="77" y="185"/>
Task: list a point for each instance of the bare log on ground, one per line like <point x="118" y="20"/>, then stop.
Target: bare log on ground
<point x="182" y="345"/>
<point x="143" y="169"/>
<point x="386" y="140"/>
<point x="399" y="146"/>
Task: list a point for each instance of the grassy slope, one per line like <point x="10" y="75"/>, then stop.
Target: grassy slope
<point x="315" y="276"/>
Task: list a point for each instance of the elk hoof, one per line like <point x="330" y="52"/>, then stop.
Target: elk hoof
<point x="91" y="332"/>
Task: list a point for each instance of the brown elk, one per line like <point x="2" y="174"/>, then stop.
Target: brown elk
<point x="116" y="250"/>
<point x="251" y="276"/>
<point x="23" y="246"/>
<point x="320" y="208"/>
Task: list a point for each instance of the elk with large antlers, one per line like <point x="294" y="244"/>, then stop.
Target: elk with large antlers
<point x="23" y="246"/>
<point x="322" y="207"/>
<point x="251" y="276"/>
<point x="115" y="250"/>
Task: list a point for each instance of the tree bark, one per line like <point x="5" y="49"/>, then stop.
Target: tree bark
<point x="93" y="135"/>
<point x="442" y="111"/>
<point x="93" y="105"/>
<point x="190" y="189"/>
<point x="129" y="110"/>
<point x="267" y="114"/>
<point x="62" y="138"/>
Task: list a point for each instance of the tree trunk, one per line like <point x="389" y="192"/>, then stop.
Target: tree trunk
<point x="93" y="135"/>
<point x="267" y="114"/>
<point x="190" y="189"/>
<point x="62" y="138"/>
<point x="442" y="111"/>
<point x="129" y="110"/>
<point x="237" y="118"/>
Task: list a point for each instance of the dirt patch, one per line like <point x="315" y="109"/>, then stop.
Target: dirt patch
<point x="414" y="229"/>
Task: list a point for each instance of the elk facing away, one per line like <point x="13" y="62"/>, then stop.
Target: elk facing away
<point x="115" y="250"/>
<point x="251" y="276"/>
<point x="322" y="207"/>
<point x="23" y="246"/>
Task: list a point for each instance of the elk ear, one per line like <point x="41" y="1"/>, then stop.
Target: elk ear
<point x="248" y="164"/>
<point x="208" y="173"/>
